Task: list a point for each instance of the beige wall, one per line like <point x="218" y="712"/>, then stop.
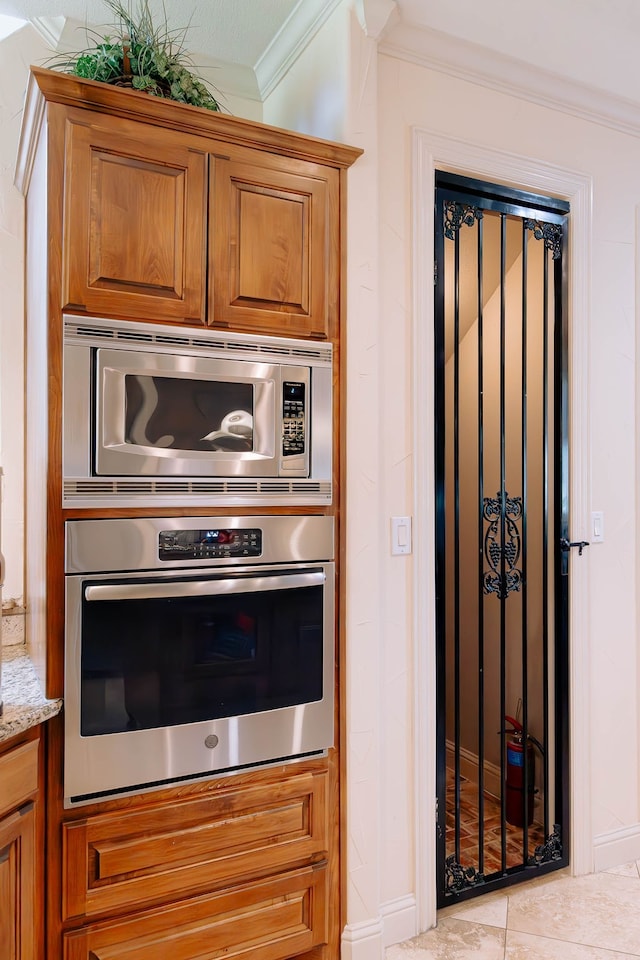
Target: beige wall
<point x="412" y="96"/>
<point x="17" y="52"/>
<point x="387" y="100"/>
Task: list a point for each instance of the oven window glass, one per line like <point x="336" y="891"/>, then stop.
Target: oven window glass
<point x="159" y="662"/>
<point x="180" y="413"/>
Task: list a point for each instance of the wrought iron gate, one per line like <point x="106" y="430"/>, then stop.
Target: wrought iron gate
<point x="502" y="508"/>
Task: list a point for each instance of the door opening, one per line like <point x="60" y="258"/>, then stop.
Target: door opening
<point x="501" y="520"/>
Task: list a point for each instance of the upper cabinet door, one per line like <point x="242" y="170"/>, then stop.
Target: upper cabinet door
<point x="273" y="245"/>
<point x="134" y="222"/>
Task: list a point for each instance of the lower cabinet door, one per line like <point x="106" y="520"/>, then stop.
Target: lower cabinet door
<point x="18" y="885"/>
<point x="277" y="918"/>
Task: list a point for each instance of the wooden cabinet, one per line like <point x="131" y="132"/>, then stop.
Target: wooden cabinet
<point x="134" y="221"/>
<point x="142" y="209"/>
<point x="20" y="895"/>
<point x="271" y="920"/>
<point x="183" y="216"/>
<point x="273" y="241"/>
<point x="241" y="867"/>
<point x="169" y="850"/>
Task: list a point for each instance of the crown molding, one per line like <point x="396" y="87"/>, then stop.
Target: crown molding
<point x="50" y="29"/>
<point x="469" y="61"/>
<point x="31" y="122"/>
<point x="375" y="16"/>
<point x="300" y="27"/>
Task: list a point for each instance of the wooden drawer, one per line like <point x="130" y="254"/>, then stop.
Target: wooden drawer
<point x="283" y="916"/>
<point x="18" y="775"/>
<point x="120" y="861"/>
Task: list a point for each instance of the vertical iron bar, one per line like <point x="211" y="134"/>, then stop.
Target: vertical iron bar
<point x="456" y="537"/>
<point x="480" y="560"/>
<point x="545" y="540"/>
<point x="525" y="637"/>
<point x="503" y="480"/>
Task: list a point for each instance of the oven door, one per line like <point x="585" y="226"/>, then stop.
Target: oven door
<point x="179" y="675"/>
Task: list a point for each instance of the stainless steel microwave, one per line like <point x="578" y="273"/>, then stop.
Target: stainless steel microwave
<point x="177" y="416"/>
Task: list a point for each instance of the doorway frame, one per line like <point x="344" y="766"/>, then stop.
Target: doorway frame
<point x="433" y="151"/>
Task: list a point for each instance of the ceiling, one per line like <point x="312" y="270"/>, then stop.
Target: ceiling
<point x="222" y="30"/>
<point x="589" y="41"/>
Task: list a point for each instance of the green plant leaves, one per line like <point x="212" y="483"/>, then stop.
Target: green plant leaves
<point x="145" y="56"/>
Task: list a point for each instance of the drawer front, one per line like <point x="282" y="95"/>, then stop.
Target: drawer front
<point x="122" y="860"/>
<point x="18" y="775"/>
<point x="270" y="920"/>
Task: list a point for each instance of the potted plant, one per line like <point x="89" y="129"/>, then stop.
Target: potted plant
<point x="140" y="55"/>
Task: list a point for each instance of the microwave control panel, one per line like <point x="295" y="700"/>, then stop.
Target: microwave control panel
<point x="293" y="418"/>
<point x="209" y="544"/>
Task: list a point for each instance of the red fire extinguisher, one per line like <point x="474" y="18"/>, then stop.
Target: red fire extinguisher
<point x="517" y="755"/>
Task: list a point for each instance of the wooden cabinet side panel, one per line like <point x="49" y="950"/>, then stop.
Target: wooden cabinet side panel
<point x="280" y="918"/>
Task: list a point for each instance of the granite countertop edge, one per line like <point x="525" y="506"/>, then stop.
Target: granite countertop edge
<point x="24" y="705"/>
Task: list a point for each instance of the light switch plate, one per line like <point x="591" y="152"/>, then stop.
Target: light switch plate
<point x="400" y="535"/>
<point x="597" y="526"/>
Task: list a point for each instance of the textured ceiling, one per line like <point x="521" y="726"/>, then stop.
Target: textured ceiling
<point x="234" y="31"/>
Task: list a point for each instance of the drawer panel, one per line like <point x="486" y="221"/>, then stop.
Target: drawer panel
<point x="281" y="917"/>
<point x="18" y="775"/>
<point x="121" y="860"/>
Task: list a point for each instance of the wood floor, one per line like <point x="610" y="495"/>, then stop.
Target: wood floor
<point x="469" y="831"/>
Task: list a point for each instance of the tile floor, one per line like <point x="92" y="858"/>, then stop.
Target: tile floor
<point x="557" y="917"/>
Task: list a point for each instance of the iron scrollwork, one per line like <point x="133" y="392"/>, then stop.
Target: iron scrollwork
<point x="551" y="233"/>
<point x="459" y="878"/>
<point x="550" y="850"/>
<point x="459" y="214"/>
<point x="502" y="514"/>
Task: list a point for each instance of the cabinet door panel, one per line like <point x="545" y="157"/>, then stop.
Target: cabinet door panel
<point x="120" y="861"/>
<point x="134" y="242"/>
<point x="271" y="245"/>
<point x="18" y="775"/>
<point x="17" y="885"/>
<point x="281" y="917"/>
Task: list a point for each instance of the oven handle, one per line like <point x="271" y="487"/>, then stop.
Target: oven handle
<point x="201" y="588"/>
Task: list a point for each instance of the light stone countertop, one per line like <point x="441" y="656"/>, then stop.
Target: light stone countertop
<point x="24" y="703"/>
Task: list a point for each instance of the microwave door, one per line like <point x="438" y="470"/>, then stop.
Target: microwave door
<point x="159" y="414"/>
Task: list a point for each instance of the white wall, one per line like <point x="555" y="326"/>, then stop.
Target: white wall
<point x="17" y="52"/>
<point x="311" y="97"/>
<point x="413" y="96"/>
<point x="381" y="459"/>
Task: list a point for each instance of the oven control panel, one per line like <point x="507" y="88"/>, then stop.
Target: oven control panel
<point x="210" y="544"/>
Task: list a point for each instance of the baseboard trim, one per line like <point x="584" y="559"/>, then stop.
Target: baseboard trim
<point x="369" y="939"/>
<point x="469" y="769"/>
<point x="362" y="941"/>
<point x="617" y="847"/>
<point x="399" y="920"/>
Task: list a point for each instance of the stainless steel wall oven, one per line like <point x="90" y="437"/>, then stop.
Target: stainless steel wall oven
<point x="195" y="646"/>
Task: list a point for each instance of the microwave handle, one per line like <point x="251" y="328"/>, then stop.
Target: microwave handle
<point x="201" y="588"/>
